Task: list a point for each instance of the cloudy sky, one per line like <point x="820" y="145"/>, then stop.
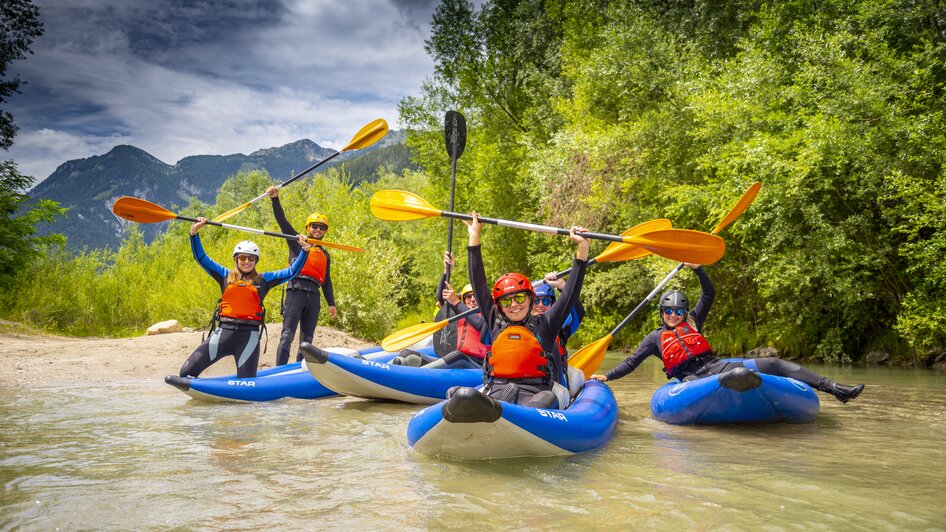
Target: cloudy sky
<point x="178" y="78"/>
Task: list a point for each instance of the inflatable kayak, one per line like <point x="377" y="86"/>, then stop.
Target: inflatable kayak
<point x="471" y="425"/>
<point x="741" y="395"/>
<point x="289" y="380"/>
<point x="371" y="379"/>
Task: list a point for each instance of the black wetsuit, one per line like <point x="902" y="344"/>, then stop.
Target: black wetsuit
<point x="303" y="302"/>
<point x="545" y="327"/>
<point x="708" y="364"/>
<point x="232" y="337"/>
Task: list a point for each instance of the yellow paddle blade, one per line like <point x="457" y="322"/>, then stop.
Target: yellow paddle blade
<point x="747" y="198"/>
<point x="401" y="206"/>
<point x="368" y="135"/>
<point x="333" y="245"/>
<point x="683" y="245"/>
<point x="141" y="211"/>
<point x="590" y="357"/>
<point x="411" y="335"/>
<point x="619" y="251"/>
<point x="232" y="212"/>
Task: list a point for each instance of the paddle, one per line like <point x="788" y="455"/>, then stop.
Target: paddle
<point x="614" y="253"/>
<point x="366" y="136"/>
<point x="620" y="252"/>
<point x="588" y="358"/>
<point x="454" y="130"/>
<point x="677" y="244"/>
<point x="145" y="212"/>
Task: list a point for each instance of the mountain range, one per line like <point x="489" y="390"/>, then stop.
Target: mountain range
<point x="88" y="187"/>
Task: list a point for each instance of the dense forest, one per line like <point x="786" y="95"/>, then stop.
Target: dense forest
<point x="607" y="114"/>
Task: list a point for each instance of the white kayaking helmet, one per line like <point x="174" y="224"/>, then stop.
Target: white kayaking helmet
<point x="246" y="247"/>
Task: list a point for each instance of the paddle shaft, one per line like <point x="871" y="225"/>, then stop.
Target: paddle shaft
<point x="647" y="299"/>
<point x="240" y="228"/>
<point x="531" y="227"/>
<point x="297" y="176"/>
<point x="563" y="273"/>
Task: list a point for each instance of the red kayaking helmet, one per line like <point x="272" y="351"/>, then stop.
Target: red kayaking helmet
<point x="512" y="283"/>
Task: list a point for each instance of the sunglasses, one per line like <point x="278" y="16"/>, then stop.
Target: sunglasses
<point x="320" y="227"/>
<point x="677" y="311"/>
<point x="519" y="297"/>
<point x="246" y="258"/>
<point x="545" y="300"/>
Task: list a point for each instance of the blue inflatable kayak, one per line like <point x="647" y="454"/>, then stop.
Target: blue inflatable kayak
<point x="471" y="425"/>
<point x="371" y="379"/>
<point x="741" y="395"/>
<point x="289" y="380"/>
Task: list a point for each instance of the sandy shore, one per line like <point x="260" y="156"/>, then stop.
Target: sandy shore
<point x="27" y="358"/>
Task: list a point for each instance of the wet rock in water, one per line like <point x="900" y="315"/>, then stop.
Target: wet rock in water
<point x="877" y="357"/>
<point x="762" y="352"/>
<point x="164" y="327"/>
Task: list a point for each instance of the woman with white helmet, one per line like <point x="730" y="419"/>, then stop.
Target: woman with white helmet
<point x="240" y="315"/>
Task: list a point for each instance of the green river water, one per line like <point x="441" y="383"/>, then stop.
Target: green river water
<point x="142" y="455"/>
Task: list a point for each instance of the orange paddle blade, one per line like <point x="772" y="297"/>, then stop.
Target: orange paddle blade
<point x="619" y="251"/>
<point x="141" y="211"/>
<point x="368" y="135"/>
<point x="401" y="206"/>
<point x="747" y="198"/>
<point x="411" y="335"/>
<point x="590" y="357"/>
<point x="683" y="245"/>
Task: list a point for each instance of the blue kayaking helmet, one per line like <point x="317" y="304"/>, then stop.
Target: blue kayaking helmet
<point x="545" y="290"/>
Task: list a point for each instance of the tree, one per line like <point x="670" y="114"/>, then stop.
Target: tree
<point x="19" y="25"/>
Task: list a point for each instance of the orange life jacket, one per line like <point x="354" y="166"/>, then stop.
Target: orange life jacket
<point x="316" y="265"/>
<point x="679" y="345"/>
<point x="241" y="301"/>
<point x="517" y="354"/>
<point x="468" y="340"/>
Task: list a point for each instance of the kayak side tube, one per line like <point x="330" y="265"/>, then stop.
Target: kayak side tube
<point x="471" y="425"/>
<point x="741" y="395"/>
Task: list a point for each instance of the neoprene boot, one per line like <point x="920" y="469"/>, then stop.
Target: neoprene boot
<point x="843" y="392"/>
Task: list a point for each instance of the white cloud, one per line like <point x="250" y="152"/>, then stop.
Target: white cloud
<point x="320" y="70"/>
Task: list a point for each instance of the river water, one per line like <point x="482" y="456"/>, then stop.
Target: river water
<point x="139" y="455"/>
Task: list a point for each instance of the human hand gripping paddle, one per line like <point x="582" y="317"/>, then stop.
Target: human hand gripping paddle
<point x="616" y="252"/>
<point x="677" y="244"/>
<point x="145" y="212"/>
<point x="366" y="136"/>
<point x="589" y="358"/>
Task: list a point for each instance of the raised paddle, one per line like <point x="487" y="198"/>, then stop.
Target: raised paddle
<point x="454" y="130"/>
<point x="676" y="244"/>
<point x="618" y="252"/>
<point x="366" y="136"/>
<point x="145" y="212"/>
<point x="589" y="358"/>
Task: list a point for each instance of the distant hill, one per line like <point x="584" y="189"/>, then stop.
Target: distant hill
<point x="89" y="187"/>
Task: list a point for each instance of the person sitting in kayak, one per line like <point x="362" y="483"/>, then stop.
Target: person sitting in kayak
<point x="687" y="354"/>
<point x="470" y="351"/>
<point x="304" y="293"/>
<point x="544" y="298"/>
<point x="523" y="363"/>
<point x="239" y="317"/>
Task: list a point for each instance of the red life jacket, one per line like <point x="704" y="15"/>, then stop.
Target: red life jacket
<point x="517" y="354"/>
<point x="316" y="265"/>
<point x="679" y="345"/>
<point x="468" y="340"/>
<point x="241" y="301"/>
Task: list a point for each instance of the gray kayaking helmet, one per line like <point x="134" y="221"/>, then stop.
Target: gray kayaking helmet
<point x="674" y="299"/>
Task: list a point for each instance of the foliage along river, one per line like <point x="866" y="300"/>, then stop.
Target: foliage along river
<point x="143" y="455"/>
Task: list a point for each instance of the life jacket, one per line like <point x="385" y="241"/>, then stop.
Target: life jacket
<point x="679" y="345"/>
<point x="316" y="265"/>
<point x="517" y="354"/>
<point x="240" y="301"/>
<point x="468" y="340"/>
